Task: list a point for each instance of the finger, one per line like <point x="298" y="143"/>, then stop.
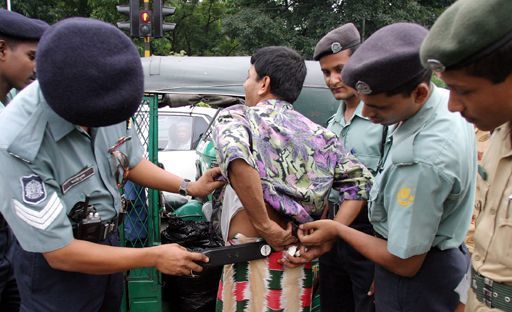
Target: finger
<point x="198" y="257"/>
<point x="195" y="267"/>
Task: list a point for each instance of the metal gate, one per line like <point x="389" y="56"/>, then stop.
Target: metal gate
<point x="141" y="227"/>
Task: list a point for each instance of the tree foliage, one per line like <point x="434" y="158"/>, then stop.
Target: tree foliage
<point x="238" y="27"/>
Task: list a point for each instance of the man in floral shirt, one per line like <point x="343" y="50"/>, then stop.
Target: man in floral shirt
<point x="280" y="166"/>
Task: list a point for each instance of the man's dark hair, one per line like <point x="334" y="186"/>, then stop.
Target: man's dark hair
<point x="407" y="88"/>
<point x="286" y="69"/>
<point x="353" y="49"/>
<point x="496" y="66"/>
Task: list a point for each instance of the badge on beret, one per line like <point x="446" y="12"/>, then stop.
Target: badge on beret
<point x="363" y="88"/>
<point x="336" y="47"/>
<point x="436" y="65"/>
<point x="33" y="189"/>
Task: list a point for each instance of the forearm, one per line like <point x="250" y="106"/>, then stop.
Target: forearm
<point x="349" y="210"/>
<point x="90" y="258"/>
<point x="246" y="182"/>
<point x="147" y="174"/>
<point x="375" y="249"/>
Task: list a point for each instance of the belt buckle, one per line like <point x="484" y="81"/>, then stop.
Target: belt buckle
<point x="487" y="292"/>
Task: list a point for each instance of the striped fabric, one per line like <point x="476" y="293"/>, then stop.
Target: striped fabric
<point x="265" y="286"/>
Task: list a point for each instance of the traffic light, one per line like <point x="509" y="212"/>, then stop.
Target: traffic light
<point x="132" y="10"/>
<point x="159" y="13"/>
<point x="145" y="23"/>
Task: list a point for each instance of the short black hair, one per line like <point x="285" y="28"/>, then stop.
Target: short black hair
<point x="407" y="88"/>
<point x="286" y="69"/>
<point x="495" y="66"/>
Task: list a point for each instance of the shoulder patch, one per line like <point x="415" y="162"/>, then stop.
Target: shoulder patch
<point x="404" y="197"/>
<point x="33" y="190"/>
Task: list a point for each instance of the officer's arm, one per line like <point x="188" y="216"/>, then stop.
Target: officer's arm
<point x="90" y="258"/>
<point x="349" y="211"/>
<point x="373" y="248"/>
<point x="147" y="174"/>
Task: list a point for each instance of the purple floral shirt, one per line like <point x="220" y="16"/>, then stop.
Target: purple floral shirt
<point x="298" y="161"/>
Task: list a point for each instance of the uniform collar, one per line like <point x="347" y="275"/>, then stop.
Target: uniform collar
<point x="503" y="134"/>
<point x="418" y="120"/>
<point x="33" y="115"/>
<point x="339" y="116"/>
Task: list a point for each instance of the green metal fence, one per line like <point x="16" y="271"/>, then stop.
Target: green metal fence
<point x="143" y="288"/>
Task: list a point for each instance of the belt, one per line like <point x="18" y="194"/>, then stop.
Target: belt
<point x="491" y="293"/>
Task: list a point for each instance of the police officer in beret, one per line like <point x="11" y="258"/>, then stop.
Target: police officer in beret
<point x="421" y="202"/>
<point x="470" y="45"/>
<point x="345" y="275"/>
<point x="18" y="42"/>
<point x="66" y="148"/>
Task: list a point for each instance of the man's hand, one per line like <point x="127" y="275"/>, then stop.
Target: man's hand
<point x="206" y="183"/>
<point x="316" y="233"/>
<point x="307" y="254"/>
<point x="176" y="260"/>
<point x="276" y="236"/>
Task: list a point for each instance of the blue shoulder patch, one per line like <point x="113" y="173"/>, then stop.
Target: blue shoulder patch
<point x="33" y="189"/>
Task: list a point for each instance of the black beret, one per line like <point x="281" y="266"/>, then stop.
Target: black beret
<point x="90" y="72"/>
<point x="337" y="40"/>
<point x="386" y="60"/>
<point x="18" y="26"/>
<point x="467" y="31"/>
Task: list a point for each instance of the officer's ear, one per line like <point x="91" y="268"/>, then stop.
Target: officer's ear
<point x="421" y="93"/>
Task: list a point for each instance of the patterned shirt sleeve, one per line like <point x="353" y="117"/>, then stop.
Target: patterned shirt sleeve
<point x="351" y="178"/>
<point x="232" y="138"/>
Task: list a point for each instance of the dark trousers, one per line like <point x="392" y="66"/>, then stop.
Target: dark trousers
<point x="9" y="295"/>
<point x="431" y="289"/>
<point x="45" y="289"/>
<point x="346" y="277"/>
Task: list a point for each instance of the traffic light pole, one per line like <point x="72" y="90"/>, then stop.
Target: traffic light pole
<point x="147" y="39"/>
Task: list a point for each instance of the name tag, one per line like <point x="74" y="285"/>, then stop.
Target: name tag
<point x="77" y="179"/>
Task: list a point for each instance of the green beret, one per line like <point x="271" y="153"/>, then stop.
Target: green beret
<point x="337" y="40"/>
<point x="466" y="32"/>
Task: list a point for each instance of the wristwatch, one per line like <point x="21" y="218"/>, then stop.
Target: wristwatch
<point x="183" y="187"/>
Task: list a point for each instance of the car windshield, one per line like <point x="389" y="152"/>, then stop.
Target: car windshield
<point x="175" y="133"/>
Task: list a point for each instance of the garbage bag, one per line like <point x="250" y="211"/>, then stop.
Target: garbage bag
<point x="191" y="234"/>
<point x="187" y="293"/>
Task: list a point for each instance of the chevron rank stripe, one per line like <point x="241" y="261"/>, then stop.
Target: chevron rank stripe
<point x="40" y="219"/>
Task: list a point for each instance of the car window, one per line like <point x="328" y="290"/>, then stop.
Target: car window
<point x="180" y="132"/>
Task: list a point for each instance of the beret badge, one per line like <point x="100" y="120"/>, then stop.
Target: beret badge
<point x="336" y="47"/>
<point x="363" y="88"/>
<point x="436" y="65"/>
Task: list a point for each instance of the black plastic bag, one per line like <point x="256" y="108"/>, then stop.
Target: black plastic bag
<point x="187" y="293"/>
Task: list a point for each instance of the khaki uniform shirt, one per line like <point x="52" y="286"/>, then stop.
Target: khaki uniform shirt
<point x="482" y="142"/>
<point x="492" y="256"/>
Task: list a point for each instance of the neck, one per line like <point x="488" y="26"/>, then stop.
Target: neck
<point x="4" y="90"/>
<point x="350" y="107"/>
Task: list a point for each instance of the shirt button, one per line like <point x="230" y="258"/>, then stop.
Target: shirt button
<point x="492" y="212"/>
<point x="477" y="258"/>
